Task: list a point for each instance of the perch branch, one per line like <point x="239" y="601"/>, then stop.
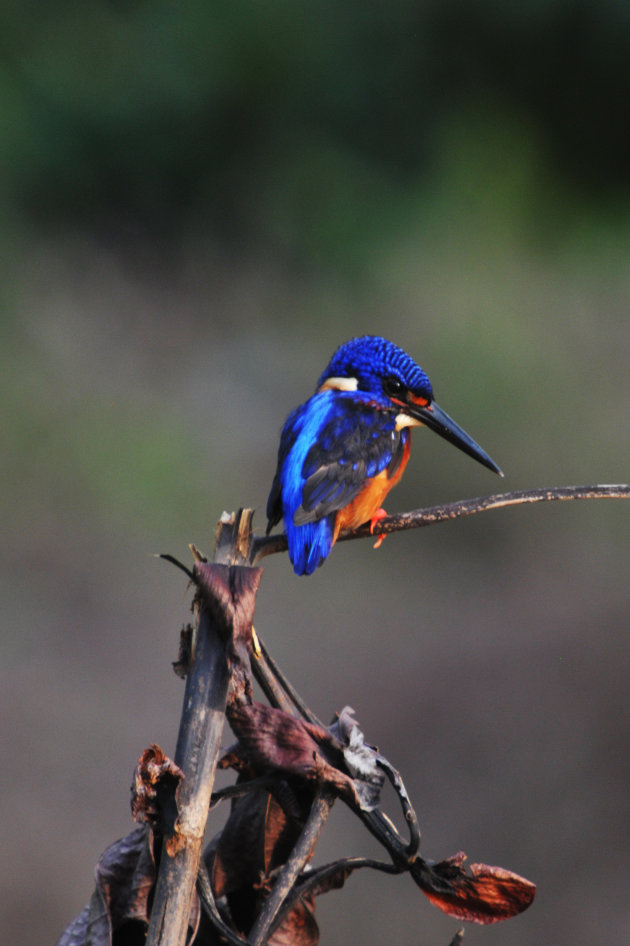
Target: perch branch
<point x="417" y="518"/>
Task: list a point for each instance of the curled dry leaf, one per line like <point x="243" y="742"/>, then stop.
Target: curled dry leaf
<point x="271" y="739"/>
<point x="155" y="782"/>
<point x="118" y="910"/>
<point x="479" y="894"/>
<point x="360" y="759"/>
<point x="229" y="594"/>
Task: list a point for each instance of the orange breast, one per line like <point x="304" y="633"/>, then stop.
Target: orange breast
<point x="363" y="506"/>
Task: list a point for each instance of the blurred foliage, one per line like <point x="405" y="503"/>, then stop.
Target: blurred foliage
<point x="307" y="124"/>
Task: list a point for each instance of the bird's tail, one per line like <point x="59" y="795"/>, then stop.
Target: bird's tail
<point x="310" y="544"/>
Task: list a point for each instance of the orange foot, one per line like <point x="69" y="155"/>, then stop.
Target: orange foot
<point x="378" y="515"/>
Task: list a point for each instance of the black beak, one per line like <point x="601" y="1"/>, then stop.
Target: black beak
<point x="438" y="420"/>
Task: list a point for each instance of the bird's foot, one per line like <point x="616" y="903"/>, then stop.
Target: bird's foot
<point x="378" y="515"/>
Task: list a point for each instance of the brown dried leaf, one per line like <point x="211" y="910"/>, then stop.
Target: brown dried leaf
<point x="271" y="739"/>
<point x="233" y="759"/>
<point x="257" y="837"/>
<point x="155" y="782"/>
<point x="299" y="927"/>
<point x="76" y="934"/>
<point x="229" y="593"/>
<point x="479" y="894"/>
<point x="125" y="875"/>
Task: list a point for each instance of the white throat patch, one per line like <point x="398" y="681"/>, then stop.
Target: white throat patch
<point x="405" y="420"/>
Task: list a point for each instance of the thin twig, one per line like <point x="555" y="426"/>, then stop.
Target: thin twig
<point x="262" y="546"/>
<point x="269" y="682"/>
<point x="177" y="563"/>
<point x="384" y="830"/>
<point x="240" y="789"/>
<point x="411" y="818"/>
<point x="269" y="667"/>
<point x="316" y="876"/>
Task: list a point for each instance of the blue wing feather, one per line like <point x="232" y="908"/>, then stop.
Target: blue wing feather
<point x="329" y="447"/>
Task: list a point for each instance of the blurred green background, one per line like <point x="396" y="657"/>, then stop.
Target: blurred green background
<point x="199" y="202"/>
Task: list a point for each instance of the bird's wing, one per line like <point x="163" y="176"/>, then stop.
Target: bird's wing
<point x="287" y="440"/>
<point x="356" y="442"/>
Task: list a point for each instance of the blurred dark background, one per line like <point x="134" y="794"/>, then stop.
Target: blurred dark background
<point x="198" y="203"/>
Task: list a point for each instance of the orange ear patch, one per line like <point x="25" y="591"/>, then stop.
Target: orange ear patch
<point x="420" y="401"/>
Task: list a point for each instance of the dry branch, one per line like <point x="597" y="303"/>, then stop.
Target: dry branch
<point x="268" y="545"/>
<point x="225" y="597"/>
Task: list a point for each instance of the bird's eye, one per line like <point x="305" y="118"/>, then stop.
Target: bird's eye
<point x="393" y="387"/>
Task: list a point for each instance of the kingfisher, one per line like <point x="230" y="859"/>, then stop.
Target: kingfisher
<point x="343" y="450"/>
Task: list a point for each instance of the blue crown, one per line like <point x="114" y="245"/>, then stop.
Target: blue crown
<point x="370" y="359"/>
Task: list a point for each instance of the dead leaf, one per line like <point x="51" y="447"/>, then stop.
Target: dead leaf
<point x="478" y="894"/>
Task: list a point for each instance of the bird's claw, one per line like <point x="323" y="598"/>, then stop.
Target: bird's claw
<point x="378" y="515"/>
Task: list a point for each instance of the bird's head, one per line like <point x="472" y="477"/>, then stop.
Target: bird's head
<point x="384" y="371"/>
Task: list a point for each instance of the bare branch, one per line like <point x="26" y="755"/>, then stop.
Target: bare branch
<point x="225" y="599"/>
<point x="279" y="691"/>
<point x="417" y="518"/>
